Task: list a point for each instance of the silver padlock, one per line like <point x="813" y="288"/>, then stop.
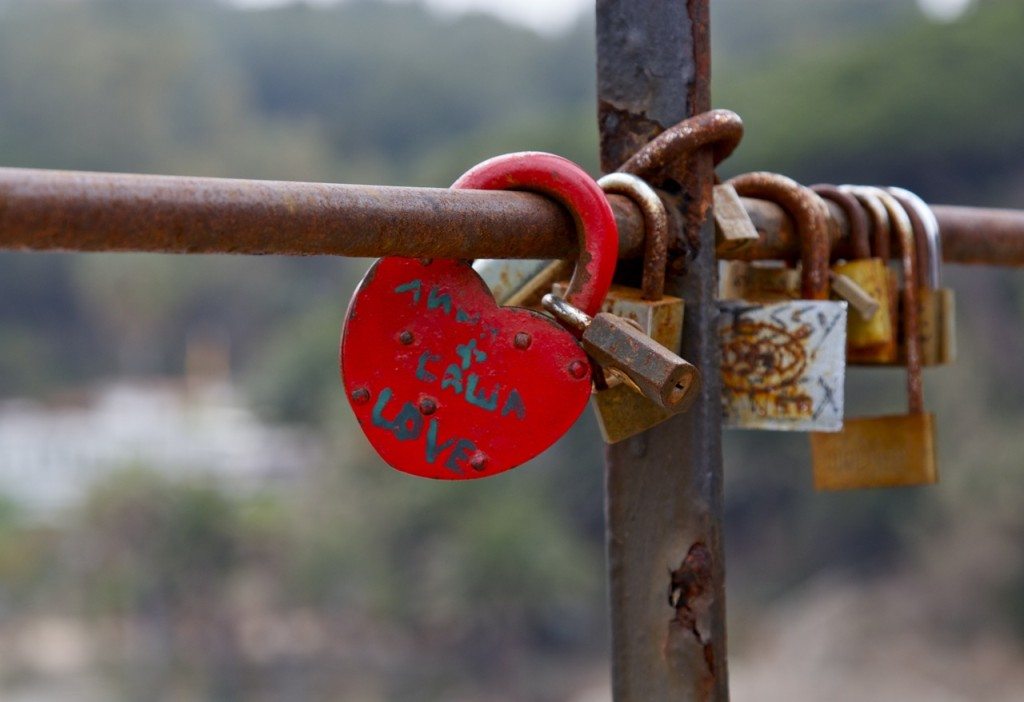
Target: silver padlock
<point x="784" y="363"/>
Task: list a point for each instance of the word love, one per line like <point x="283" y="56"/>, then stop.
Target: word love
<point x="446" y="384"/>
<point x="407" y="425"/>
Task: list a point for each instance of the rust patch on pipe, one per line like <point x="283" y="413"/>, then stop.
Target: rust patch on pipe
<point x="721" y="130"/>
<point x="691" y="594"/>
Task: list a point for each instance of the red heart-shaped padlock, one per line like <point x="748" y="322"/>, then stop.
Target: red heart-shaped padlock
<point x="445" y="383"/>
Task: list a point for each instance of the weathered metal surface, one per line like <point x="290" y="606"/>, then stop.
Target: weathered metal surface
<point x="622" y="412"/>
<point x="618" y="345"/>
<point x="936" y="305"/>
<point x="783" y="364"/>
<point x="856" y="218"/>
<point x="814" y="228"/>
<point x="79" y="211"/>
<point x="759" y="281"/>
<point x="874" y="342"/>
<point x="565" y="182"/>
<point x="733" y="226"/>
<point x="652" y="283"/>
<point x="895" y="450"/>
<point x="847" y="287"/>
<point x="870" y="337"/>
<point x="664" y="486"/>
<point x="721" y="130"/>
<point x="446" y="384"/>
<point x="870" y="329"/>
<point x="970" y="235"/>
<point x="662" y="320"/>
<point x="75" y="211"/>
<point x="876" y="452"/>
<point x="981" y="236"/>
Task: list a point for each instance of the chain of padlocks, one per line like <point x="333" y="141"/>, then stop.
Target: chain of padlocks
<point x="460" y="371"/>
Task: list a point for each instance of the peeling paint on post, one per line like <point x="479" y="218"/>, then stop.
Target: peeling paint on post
<point x="665" y="486"/>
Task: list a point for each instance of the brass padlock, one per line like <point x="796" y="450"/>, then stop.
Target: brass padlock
<point x="890" y="451"/>
<point x="884" y="353"/>
<point x="870" y="333"/>
<point x="783" y="363"/>
<point x="618" y="344"/>
<point x="936" y="305"/>
<point x="621" y="410"/>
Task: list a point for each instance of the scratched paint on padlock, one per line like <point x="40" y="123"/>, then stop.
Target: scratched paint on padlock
<point x="444" y="383"/>
<point x="783" y="364"/>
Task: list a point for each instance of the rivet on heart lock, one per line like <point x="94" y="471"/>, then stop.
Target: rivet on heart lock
<point x="445" y="383"/>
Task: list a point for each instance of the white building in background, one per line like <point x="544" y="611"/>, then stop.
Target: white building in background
<point x="51" y="454"/>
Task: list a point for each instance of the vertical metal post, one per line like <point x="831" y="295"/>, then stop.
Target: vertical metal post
<point x="664" y="490"/>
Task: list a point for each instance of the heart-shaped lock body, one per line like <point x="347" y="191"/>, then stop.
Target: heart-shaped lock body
<point x="444" y="382"/>
<point x="448" y="385"/>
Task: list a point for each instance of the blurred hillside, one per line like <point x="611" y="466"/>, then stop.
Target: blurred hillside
<point x="357" y="583"/>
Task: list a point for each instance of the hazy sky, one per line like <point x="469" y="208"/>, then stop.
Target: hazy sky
<point x="544" y="15"/>
<point x="552" y="15"/>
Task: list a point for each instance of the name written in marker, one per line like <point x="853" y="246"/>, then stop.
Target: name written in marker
<point x="459" y="370"/>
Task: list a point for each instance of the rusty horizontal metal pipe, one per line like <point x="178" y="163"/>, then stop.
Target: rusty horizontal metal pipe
<point x="970" y="235"/>
<point x="75" y="211"/>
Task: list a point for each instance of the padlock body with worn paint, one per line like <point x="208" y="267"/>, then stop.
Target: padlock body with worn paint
<point x="874" y="452"/>
<point x="622" y="411"/>
<point x="754" y="282"/>
<point x="870" y="340"/>
<point x="662" y="320"/>
<point x="783" y="364"/>
<point x="937" y="314"/>
<point x="444" y="383"/>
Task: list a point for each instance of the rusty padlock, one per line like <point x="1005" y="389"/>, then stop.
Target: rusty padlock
<point x="870" y="333"/>
<point x="783" y="363"/>
<point x="617" y="344"/>
<point x="936" y="305"/>
<point x="890" y="451"/>
<point x="758" y="281"/>
<point x="881" y="233"/>
<point x="621" y="410"/>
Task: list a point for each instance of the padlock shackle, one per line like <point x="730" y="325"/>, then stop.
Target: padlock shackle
<point x="881" y="232"/>
<point x="566" y="314"/>
<point x="855" y="215"/>
<point x="921" y="247"/>
<point x="652" y="285"/>
<point x="904" y="230"/>
<point x="567" y="183"/>
<point x="926" y="233"/>
<point x="720" y="129"/>
<point x="811" y="215"/>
